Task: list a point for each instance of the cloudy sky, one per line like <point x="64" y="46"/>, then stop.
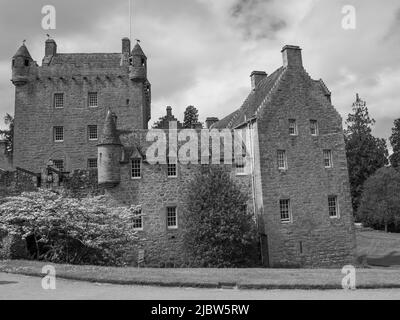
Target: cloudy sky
<point x="201" y="52"/>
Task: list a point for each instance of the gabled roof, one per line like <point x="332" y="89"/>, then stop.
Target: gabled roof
<point x="132" y="152"/>
<point x="250" y="105"/>
<point x="22" y="52"/>
<point x="137" y="50"/>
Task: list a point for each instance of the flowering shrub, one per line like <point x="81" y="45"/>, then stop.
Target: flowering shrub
<point x="61" y="229"/>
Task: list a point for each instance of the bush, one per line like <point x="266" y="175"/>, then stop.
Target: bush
<point x="61" y="229"/>
<point x="218" y="232"/>
<point x="380" y="202"/>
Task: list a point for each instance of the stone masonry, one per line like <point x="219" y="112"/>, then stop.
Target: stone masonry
<point x="288" y="118"/>
<point x="119" y="80"/>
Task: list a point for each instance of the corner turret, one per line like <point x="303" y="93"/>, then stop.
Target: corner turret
<point x="109" y="151"/>
<point x="138" y="67"/>
<point x="21" y="66"/>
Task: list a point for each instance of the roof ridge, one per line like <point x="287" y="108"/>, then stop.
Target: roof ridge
<point x="269" y="94"/>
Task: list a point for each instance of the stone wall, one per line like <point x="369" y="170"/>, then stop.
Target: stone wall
<point x="155" y="191"/>
<point x="15" y="182"/>
<point x="312" y="239"/>
<point x="75" y="76"/>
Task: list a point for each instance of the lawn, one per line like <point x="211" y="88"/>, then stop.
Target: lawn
<point x="378" y="248"/>
<point x="213" y="278"/>
<point x="374" y="247"/>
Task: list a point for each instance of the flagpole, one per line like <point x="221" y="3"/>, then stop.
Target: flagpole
<point x="130" y="19"/>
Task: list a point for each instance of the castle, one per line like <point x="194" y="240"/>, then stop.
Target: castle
<point x="92" y="111"/>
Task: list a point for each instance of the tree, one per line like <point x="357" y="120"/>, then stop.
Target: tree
<point x="191" y="118"/>
<point x="365" y="153"/>
<point x="395" y="142"/>
<point x="8" y="134"/>
<point x="69" y="230"/>
<point x="218" y="231"/>
<point x="380" y="202"/>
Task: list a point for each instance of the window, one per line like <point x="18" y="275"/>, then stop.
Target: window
<point x="138" y="221"/>
<point x="292" y="127"/>
<point x="58" y="134"/>
<point x="26" y="63"/>
<point x="136" y="166"/>
<point x="92" y="163"/>
<point x="282" y="161"/>
<point x="92" y="99"/>
<point x="59" y="164"/>
<point x="314" y="127"/>
<point x="58" y="100"/>
<point x="333" y="207"/>
<point x="327" y="158"/>
<point x="171" y="169"/>
<point x="240" y="165"/>
<point x="285" y="210"/>
<point x="172" y="221"/>
<point x="92" y="132"/>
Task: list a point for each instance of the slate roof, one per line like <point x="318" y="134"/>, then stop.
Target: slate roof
<point x="108" y="60"/>
<point x="110" y="134"/>
<point x="251" y="104"/>
<point x="137" y="50"/>
<point x="22" y="52"/>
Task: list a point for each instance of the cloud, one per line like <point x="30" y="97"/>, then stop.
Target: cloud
<point x="201" y="52"/>
<point x="256" y="20"/>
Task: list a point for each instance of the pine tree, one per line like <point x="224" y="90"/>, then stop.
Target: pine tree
<point x="191" y="118"/>
<point x="365" y="153"/>
<point x="395" y="142"/>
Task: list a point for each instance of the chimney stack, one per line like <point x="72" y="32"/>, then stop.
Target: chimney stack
<point x="169" y="111"/>
<point x="210" y="121"/>
<point x="256" y="77"/>
<point x="126" y="45"/>
<point x="292" y="56"/>
<point x="50" y="48"/>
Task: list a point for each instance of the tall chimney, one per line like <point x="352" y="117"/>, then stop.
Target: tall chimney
<point x="126" y="45"/>
<point x="169" y="111"/>
<point x="210" y="121"/>
<point x="292" y="56"/>
<point x="50" y="47"/>
<point x="256" y="77"/>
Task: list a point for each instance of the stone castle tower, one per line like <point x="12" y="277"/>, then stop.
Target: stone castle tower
<point x="298" y="186"/>
<point x="61" y="105"/>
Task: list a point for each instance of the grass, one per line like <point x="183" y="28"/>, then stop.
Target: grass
<point x="375" y="247"/>
<point x="212" y="278"/>
<point x="378" y="248"/>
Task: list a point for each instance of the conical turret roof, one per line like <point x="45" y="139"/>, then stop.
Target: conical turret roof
<point x="137" y="50"/>
<point x="110" y="133"/>
<point x="22" y="52"/>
